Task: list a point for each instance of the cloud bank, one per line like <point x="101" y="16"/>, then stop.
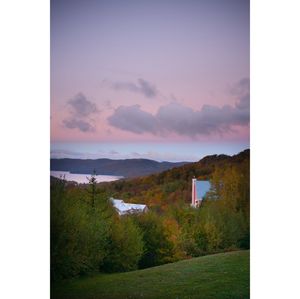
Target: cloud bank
<point x="113" y="154"/>
<point x="183" y="120"/>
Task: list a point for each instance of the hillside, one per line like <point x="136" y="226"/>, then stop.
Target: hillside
<point x="88" y="236"/>
<point x="174" y="184"/>
<point x="127" y="168"/>
<point x="219" y="276"/>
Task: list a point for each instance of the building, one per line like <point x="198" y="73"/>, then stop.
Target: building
<point x="124" y="208"/>
<point x="199" y="190"/>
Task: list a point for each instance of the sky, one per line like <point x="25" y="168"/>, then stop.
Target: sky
<point x="166" y="80"/>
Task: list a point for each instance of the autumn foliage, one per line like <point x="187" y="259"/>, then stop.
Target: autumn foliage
<point x="89" y="237"/>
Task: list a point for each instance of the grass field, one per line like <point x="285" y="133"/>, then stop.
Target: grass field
<point x="219" y="276"/>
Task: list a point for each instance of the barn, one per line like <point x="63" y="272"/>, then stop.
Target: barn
<point x="199" y="190"/>
<point x="124" y="208"/>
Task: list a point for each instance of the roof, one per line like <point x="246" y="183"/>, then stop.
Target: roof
<point x="202" y="187"/>
<point x="127" y="208"/>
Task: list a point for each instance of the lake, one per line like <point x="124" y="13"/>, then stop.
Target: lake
<point x="82" y="178"/>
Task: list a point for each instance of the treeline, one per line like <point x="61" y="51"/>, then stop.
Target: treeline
<point x="87" y="235"/>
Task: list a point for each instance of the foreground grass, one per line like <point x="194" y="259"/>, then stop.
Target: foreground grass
<point x="219" y="276"/>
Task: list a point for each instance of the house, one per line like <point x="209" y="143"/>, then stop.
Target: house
<point x="199" y="190"/>
<point x="124" y="208"/>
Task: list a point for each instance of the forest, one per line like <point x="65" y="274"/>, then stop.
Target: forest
<point x="88" y="236"/>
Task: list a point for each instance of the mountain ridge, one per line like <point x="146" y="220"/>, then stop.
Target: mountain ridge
<point x="127" y="168"/>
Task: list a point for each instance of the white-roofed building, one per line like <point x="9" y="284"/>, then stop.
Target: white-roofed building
<point x="124" y="208"/>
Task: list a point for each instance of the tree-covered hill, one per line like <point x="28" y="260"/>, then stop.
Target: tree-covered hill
<point x="175" y="184"/>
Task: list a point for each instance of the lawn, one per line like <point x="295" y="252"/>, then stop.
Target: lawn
<point x="218" y="276"/>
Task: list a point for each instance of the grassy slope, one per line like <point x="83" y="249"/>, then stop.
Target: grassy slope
<point x="224" y="275"/>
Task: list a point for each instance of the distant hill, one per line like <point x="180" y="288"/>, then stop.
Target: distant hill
<point x="127" y="168"/>
<point x="203" y="169"/>
<point x="170" y="185"/>
<point x="224" y="275"/>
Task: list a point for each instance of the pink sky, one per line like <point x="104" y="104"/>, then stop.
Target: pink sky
<point x="160" y="71"/>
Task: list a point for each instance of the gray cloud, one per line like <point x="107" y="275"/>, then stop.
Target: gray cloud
<point x="83" y="126"/>
<point x="113" y="152"/>
<point x="133" y="119"/>
<point x="242" y="92"/>
<point x="81" y="106"/>
<point x="81" y="111"/>
<point x="142" y="86"/>
<point x="178" y="118"/>
<point x="183" y="120"/>
<point x="243" y="86"/>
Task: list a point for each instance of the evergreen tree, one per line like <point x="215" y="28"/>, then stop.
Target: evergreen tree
<point x="92" y="190"/>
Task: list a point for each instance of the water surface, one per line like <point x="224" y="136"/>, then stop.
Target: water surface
<point x="82" y="178"/>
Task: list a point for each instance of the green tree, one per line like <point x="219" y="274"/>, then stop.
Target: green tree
<point x="79" y="234"/>
<point x="158" y="248"/>
<point x="92" y="190"/>
<point x="125" y="246"/>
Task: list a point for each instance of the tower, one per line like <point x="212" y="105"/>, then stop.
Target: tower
<point x="194" y="195"/>
<point x="199" y="190"/>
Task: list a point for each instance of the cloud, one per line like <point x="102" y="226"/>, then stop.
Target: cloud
<point x="82" y="125"/>
<point x="142" y="86"/>
<point x="81" y="106"/>
<point x="242" y="92"/>
<point x="164" y="156"/>
<point x="133" y="119"/>
<point x="62" y="153"/>
<point x="183" y="120"/>
<point x="113" y="152"/>
<point x="80" y="113"/>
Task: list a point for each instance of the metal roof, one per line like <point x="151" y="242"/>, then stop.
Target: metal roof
<point x="202" y="187"/>
<point x="127" y="208"/>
